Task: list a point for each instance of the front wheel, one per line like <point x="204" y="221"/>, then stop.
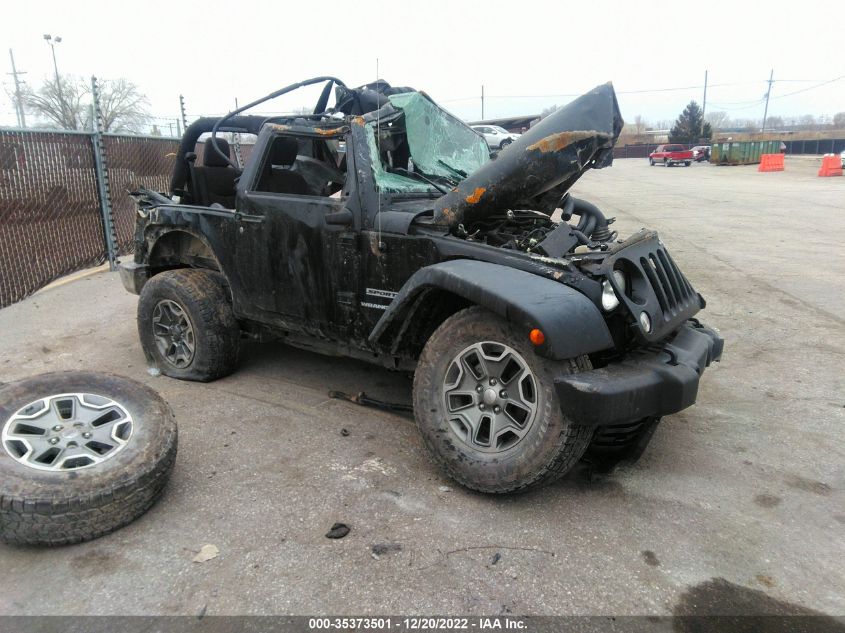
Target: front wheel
<point x="186" y="324"/>
<point x="666" y="162"/>
<point x="687" y="163"/>
<point x="487" y="409"/>
<point x="651" y="162"/>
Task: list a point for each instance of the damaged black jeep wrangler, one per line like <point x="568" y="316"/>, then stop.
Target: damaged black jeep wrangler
<point x="382" y="229"/>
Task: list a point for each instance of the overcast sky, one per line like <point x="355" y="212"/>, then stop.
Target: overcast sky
<point x="213" y="52"/>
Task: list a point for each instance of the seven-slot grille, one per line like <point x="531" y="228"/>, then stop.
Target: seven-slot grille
<point x="673" y="291"/>
<point x="659" y="297"/>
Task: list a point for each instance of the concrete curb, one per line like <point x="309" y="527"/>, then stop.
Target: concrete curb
<point x="80" y="274"/>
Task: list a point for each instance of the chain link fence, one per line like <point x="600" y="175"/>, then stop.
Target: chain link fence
<point x="133" y="162"/>
<point x="50" y="220"/>
<point x="51" y="212"/>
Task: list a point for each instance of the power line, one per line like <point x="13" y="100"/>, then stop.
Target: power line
<point x="819" y="85"/>
<point x="655" y="90"/>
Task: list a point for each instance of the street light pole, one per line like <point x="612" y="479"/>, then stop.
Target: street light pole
<point x="52" y="41"/>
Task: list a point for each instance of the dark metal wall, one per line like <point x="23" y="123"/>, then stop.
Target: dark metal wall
<point x="816" y="147"/>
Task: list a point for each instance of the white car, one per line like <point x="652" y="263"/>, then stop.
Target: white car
<point x="842" y="158"/>
<point x="496" y="137"/>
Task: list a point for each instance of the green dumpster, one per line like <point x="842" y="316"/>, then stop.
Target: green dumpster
<point x="741" y="152"/>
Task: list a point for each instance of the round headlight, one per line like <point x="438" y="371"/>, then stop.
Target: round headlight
<point x="609" y="299"/>
<point x="619" y="276"/>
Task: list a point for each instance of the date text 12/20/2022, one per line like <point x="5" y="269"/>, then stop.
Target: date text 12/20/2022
<point x="417" y="624"/>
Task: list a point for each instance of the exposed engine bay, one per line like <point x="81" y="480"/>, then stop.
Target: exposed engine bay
<point x="535" y="232"/>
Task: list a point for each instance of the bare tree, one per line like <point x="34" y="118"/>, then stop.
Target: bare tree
<point x="547" y="111"/>
<point x="717" y="119"/>
<point x="123" y="106"/>
<point x="640" y="124"/>
<point x="62" y="103"/>
<point x="67" y="104"/>
<point x="774" y="122"/>
<point x="839" y="120"/>
<point x="807" y="119"/>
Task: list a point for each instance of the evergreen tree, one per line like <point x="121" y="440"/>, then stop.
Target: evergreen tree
<point x="690" y="127"/>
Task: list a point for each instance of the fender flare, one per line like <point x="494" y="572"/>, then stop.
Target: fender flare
<point x="170" y="232"/>
<point x="572" y="324"/>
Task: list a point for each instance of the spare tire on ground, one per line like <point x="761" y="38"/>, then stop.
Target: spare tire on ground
<point x="81" y="455"/>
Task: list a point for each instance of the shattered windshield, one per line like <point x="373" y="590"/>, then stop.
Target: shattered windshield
<point x="424" y="150"/>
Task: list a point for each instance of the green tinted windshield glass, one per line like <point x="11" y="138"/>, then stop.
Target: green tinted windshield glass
<point x="436" y="137"/>
<point x="441" y="146"/>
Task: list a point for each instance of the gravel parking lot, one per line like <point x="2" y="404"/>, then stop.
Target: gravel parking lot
<point x="737" y="501"/>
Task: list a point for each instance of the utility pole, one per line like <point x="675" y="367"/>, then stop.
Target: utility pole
<point x="704" y="102"/>
<point x="768" y="93"/>
<point x="18" y="99"/>
<point x="182" y="109"/>
<point x="482" y="102"/>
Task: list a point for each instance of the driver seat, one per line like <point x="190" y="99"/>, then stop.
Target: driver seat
<point x="214" y="182"/>
<point x="282" y="179"/>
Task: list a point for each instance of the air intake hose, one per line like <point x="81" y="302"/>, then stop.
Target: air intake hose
<point x="592" y="222"/>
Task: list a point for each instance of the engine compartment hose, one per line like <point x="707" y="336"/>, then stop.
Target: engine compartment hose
<point x="593" y="223"/>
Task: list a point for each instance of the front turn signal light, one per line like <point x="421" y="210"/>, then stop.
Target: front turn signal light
<point x="537" y="337"/>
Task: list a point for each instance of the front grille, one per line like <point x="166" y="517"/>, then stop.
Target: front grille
<point x="674" y="292"/>
<point x="656" y="286"/>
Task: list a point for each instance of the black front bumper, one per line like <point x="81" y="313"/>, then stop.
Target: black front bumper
<point x="134" y="276"/>
<point x="645" y="384"/>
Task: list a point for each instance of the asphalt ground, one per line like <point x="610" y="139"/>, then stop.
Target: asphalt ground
<point x="736" y="504"/>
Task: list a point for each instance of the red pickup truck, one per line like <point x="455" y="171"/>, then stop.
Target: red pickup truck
<point x="670" y="155"/>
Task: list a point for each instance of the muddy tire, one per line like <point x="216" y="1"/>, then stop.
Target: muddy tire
<point x="186" y="325"/>
<point x="103" y="456"/>
<point x="487" y="409"/>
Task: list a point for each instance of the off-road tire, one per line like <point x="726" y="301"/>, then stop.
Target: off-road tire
<point x="40" y="507"/>
<point x="204" y="296"/>
<point x="550" y="448"/>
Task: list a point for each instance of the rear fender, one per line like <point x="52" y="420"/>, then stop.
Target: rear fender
<point x="571" y="323"/>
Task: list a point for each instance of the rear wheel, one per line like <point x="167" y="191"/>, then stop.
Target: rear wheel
<point x="186" y="324"/>
<point x="651" y="162"/>
<point x="666" y="162"/>
<point x="487" y="409"/>
<point x="687" y="163"/>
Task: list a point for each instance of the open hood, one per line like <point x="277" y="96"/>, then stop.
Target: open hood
<point x="537" y="169"/>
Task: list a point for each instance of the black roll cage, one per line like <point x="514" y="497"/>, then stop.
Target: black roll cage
<point x="244" y="124"/>
<point x="319" y="109"/>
